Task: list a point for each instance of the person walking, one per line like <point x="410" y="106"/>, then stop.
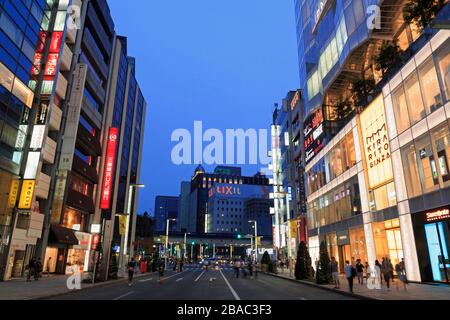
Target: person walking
<point x="401" y="273"/>
<point x="237" y="266"/>
<point x="383" y="266"/>
<point x="131" y="268"/>
<point x="360" y="271"/>
<point x="349" y="274"/>
<point x="378" y="269"/>
<point x="334" y="266"/>
<point x="37" y="269"/>
<point x="181" y="265"/>
<point x="388" y="272"/>
<point x="31" y="266"/>
<point x="49" y="263"/>
<point x="161" y="269"/>
<point x="367" y="267"/>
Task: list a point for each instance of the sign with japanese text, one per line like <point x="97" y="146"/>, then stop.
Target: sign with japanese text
<point x="108" y="174"/>
<point x="26" y="194"/>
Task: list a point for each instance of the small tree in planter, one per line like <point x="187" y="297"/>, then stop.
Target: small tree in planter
<point x="303" y="266"/>
<point x="422" y="12"/>
<point x="323" y="272"/>
<point x="265" y="261"/>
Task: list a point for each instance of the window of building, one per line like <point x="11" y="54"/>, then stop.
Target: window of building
<point x="414" y="98"/>
<point x="443" y="60"/>
<point x="430" y="86"/>
<point x="384" y="197"/>
<point x="427" y="164"/>
<point x="73" y="218"/>
<point x="411" y="171"/>
<point x="388" y="241"/>
<point x="400" y="109"/>
<point x="358" y="244"/>
<point x="440" y="140"/>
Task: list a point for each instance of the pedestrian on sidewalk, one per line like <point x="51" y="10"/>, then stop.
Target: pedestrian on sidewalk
<point x="49" y="263"/>
<point x="161" y="269"/>
<point x="349" y="274"/>
<point x="383" y="267"/>
<point x="181" y="265"/>
<point x="131" y="265"/>
<point x="401" y="273"/>
<point x="237" y="266"/>
<point x="378" y="271"/>
<point x="31" y="265"/>
<point x="360" y="271"/>
<point x="367" y="267"/>
<point x="388" y="272"/>
<point x="334" y="266"/>
<point x="37" y="269"/>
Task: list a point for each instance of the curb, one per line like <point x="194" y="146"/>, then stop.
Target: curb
<point x="97" y="285"/>
<point x="345" y="293"/>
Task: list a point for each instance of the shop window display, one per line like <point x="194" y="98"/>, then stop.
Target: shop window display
<point x="427" y="164"/>
<point x="441" y="142"/>
<point x="388" y="242"/>
<point x="411" y="171"/>
<point x="358" y="244"/>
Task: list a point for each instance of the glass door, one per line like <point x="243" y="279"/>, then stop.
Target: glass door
<point x="437" y="237"/>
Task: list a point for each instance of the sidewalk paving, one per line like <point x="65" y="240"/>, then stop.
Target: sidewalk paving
<point x="414" y="291"/>
<point x="46" y="287"/>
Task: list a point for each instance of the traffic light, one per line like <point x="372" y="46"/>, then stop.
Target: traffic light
<point x="239" y="236"/>
<point x="193" y="242"/>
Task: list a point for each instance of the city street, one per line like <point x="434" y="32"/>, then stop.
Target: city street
<point x="195" y="283"/>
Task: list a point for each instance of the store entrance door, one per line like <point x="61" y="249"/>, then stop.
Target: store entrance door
<point x="344" y="255"/>
<point x="60" y="265"/>
<point x="438" y="236"/>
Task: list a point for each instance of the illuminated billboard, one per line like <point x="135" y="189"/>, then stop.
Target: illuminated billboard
<point x="108" y="174"/>
<point x="314" y="133"/>
<point x="377" y="149"/>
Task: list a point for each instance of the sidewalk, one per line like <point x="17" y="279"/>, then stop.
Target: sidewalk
<point x="46" y="286"/>
<point x="415" y="291"/>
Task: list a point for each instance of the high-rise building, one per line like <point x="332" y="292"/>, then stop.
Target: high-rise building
<point x="375" y="131"/>
<point x="186" y="220"/>
<point x="33" y="60"/>
<point x="230" y="207"/>
<point x="202" y="184"/>
<point x="166" y="207"/>
<point x="288" y="175"/>
<point x="68" y="160"/>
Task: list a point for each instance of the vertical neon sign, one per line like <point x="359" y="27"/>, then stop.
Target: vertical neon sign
<point x="109" y="167"/>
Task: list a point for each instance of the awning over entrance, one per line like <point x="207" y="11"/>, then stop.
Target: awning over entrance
<point x="62" y="235"/>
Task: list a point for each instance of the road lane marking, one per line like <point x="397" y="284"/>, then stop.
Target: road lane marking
<point x="176" y="274"/>
<point x="230" y="287"/>
<point x="303" y="298"/>
<point x="200" y="276"/>
<point x="145" y="280"/>
<point x="124" y="295"/>
<point x="179" y="279"/>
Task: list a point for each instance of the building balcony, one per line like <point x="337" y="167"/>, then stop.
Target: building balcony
<point x="297" y="151"/>
<point x="80" y="201"/>
<point x="99" y="30"/>
<point x="88" y="143"/>
<point x="91" y="112"/>
<point x="66" y="59"/>
<point x="42" y="186"/>
<point x="96" y="86"/>
<point x="84" y="169"/>
<point x="55" y="118"/>
<point x="61" y="86"/>
<point x="106" y="15"/>
<point x="49" y="150"/>
<point x="96" y="57"/>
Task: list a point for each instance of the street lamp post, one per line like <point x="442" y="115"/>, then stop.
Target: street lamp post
<point x="124" y="238"/>
<point x="166" y="247"/>
<point x="256" y="237"/>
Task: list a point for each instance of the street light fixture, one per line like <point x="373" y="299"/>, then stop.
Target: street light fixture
<point x="124" y="238"/>
<point x="167" y="240"/>
<point x="256" y="237"/>
<point x="185" y="238"/>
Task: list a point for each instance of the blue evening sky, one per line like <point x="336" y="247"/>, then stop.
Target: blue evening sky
<point x="224" y="62"/>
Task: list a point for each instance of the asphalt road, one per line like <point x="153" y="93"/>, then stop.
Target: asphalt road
<point x="195" y="283"/>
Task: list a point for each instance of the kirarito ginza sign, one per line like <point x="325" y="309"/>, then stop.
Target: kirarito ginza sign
<point x="377" y="149"/>
<point x="109" y="168"/>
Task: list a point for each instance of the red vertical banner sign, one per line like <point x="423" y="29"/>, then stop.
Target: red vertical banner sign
<point x="109" y="168"/>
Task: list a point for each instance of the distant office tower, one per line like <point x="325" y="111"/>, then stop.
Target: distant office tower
<point x="166" y="207"/>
